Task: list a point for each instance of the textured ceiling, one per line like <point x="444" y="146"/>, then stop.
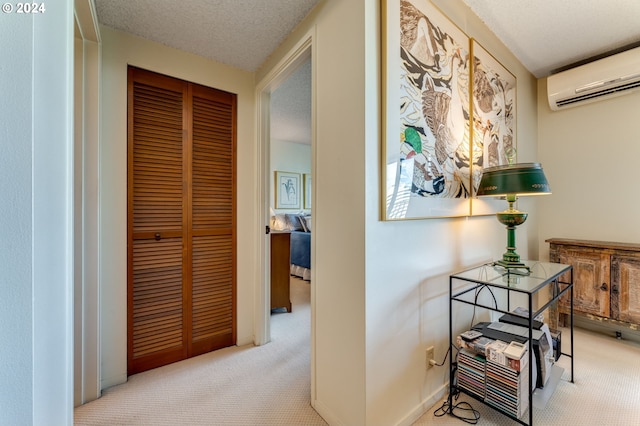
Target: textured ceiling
<point x="548" y="35"/>
<point x="291" y="107"/>
<point x="240" y="33"/>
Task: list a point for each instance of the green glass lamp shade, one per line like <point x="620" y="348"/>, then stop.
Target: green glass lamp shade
<point x="512" y="181"/>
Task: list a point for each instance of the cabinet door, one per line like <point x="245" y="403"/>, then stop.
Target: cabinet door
<point x="625" y="288"/>
<point x="591" y="289"/>
<point x="280" y="270"/>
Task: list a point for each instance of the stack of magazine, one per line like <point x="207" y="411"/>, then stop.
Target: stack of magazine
<point x="471" y="372"/>
<point x="507" y="381"/>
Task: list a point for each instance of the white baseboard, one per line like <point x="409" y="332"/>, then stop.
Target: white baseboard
<point x="425" y="406"/>
<point x="244" y="340"/>
<point x="108" y="382"/>
<point x="325" y="413"/>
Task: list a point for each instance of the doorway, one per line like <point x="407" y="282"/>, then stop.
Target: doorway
<point x="299" y="55"/>
<point x="290" y="162"/>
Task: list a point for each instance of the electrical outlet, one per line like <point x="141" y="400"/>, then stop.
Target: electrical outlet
<point x="430" y="357"/>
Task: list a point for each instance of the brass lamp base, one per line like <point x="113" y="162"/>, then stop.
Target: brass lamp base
<point x="511" y="218"/>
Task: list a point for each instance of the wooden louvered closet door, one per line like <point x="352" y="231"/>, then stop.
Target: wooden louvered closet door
<point x="181" y="220"/>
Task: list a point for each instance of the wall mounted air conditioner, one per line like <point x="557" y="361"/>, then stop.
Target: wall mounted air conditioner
<point x="614" y="75"/>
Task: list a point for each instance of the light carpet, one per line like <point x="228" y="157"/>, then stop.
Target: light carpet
<point x="247" y="385"/>
<point x="270" y="385"/>
<point x="606" y="388"/>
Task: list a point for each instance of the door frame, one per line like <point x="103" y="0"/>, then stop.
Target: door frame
<point x="87" y="331"/>
<point x="301" y="52"/>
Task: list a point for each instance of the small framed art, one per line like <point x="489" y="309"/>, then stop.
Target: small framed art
<point x="287" y="193"/>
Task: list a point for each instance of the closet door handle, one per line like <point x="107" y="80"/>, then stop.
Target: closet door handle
<point x="603" y="287"/>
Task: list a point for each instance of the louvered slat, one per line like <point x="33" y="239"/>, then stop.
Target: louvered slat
<point x="157" y="319"/>
<point x="181" y="172"/>
<point x="212" y="210"/>
<point x="157" y="295"/>
<point x="212" y="292"/>
<point x="213" y="151"/>
<point x="157" y="154"/>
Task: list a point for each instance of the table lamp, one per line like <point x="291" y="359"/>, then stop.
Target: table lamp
<point x="512" y="181"/>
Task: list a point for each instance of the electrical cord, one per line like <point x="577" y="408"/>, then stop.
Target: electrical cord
<point x="477" y="293"/>
<point x="444" y="360"/>
<point x="461" y="409"/>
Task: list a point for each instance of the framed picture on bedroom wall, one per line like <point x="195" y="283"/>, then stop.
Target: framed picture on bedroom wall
<point x="426" y="165"/>
<point x="307" y="190"/>
<point x="288" y="190"/>
<point x="493" y="118"/>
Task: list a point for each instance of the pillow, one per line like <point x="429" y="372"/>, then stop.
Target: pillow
<point x="279" y="222"/>
<point x="307" y="221"/>
<point x="303" y="223"/>
<point x="293" y="222"/>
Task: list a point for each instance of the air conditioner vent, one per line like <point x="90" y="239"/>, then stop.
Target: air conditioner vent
<point x="603" y="92"/>
<point x="602" y="79"/>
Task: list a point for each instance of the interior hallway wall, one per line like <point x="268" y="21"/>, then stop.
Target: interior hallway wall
<point x="119" y="50"/>
<point x="382" y="287"/>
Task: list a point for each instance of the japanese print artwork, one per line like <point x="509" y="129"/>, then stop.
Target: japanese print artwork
<point x="494" y="121"/>
<point x="433" y="159"/>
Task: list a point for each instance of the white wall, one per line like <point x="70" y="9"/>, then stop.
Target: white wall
<point x="381" y="288"/>
<point x="590" y="156"/>
<point x="338" y="322"/>
<point x="408" y="263"/>
<point x="36" y="162"/>
<point x="120" y="49"/>
<point x="288" y="157"/>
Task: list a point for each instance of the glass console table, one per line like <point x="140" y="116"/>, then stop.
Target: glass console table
<point x="539" y="288"/>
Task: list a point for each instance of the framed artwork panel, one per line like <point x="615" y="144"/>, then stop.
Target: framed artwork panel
<point x="426" y="167"/>
<point x="493" y="114"/>
<point x="288" y="188"/>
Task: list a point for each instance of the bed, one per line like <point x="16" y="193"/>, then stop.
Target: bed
<point x="300" y="246"/>
<point x="301" y="254"/>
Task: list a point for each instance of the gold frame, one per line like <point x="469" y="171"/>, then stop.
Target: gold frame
<point x="307" y="190"/>
<point x="295" y="181"/>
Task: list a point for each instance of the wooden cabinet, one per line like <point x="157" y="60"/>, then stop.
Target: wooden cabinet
<point x="280" y="270"/>
<point x="606" y="278"/>
<point x="625" y="279"/>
